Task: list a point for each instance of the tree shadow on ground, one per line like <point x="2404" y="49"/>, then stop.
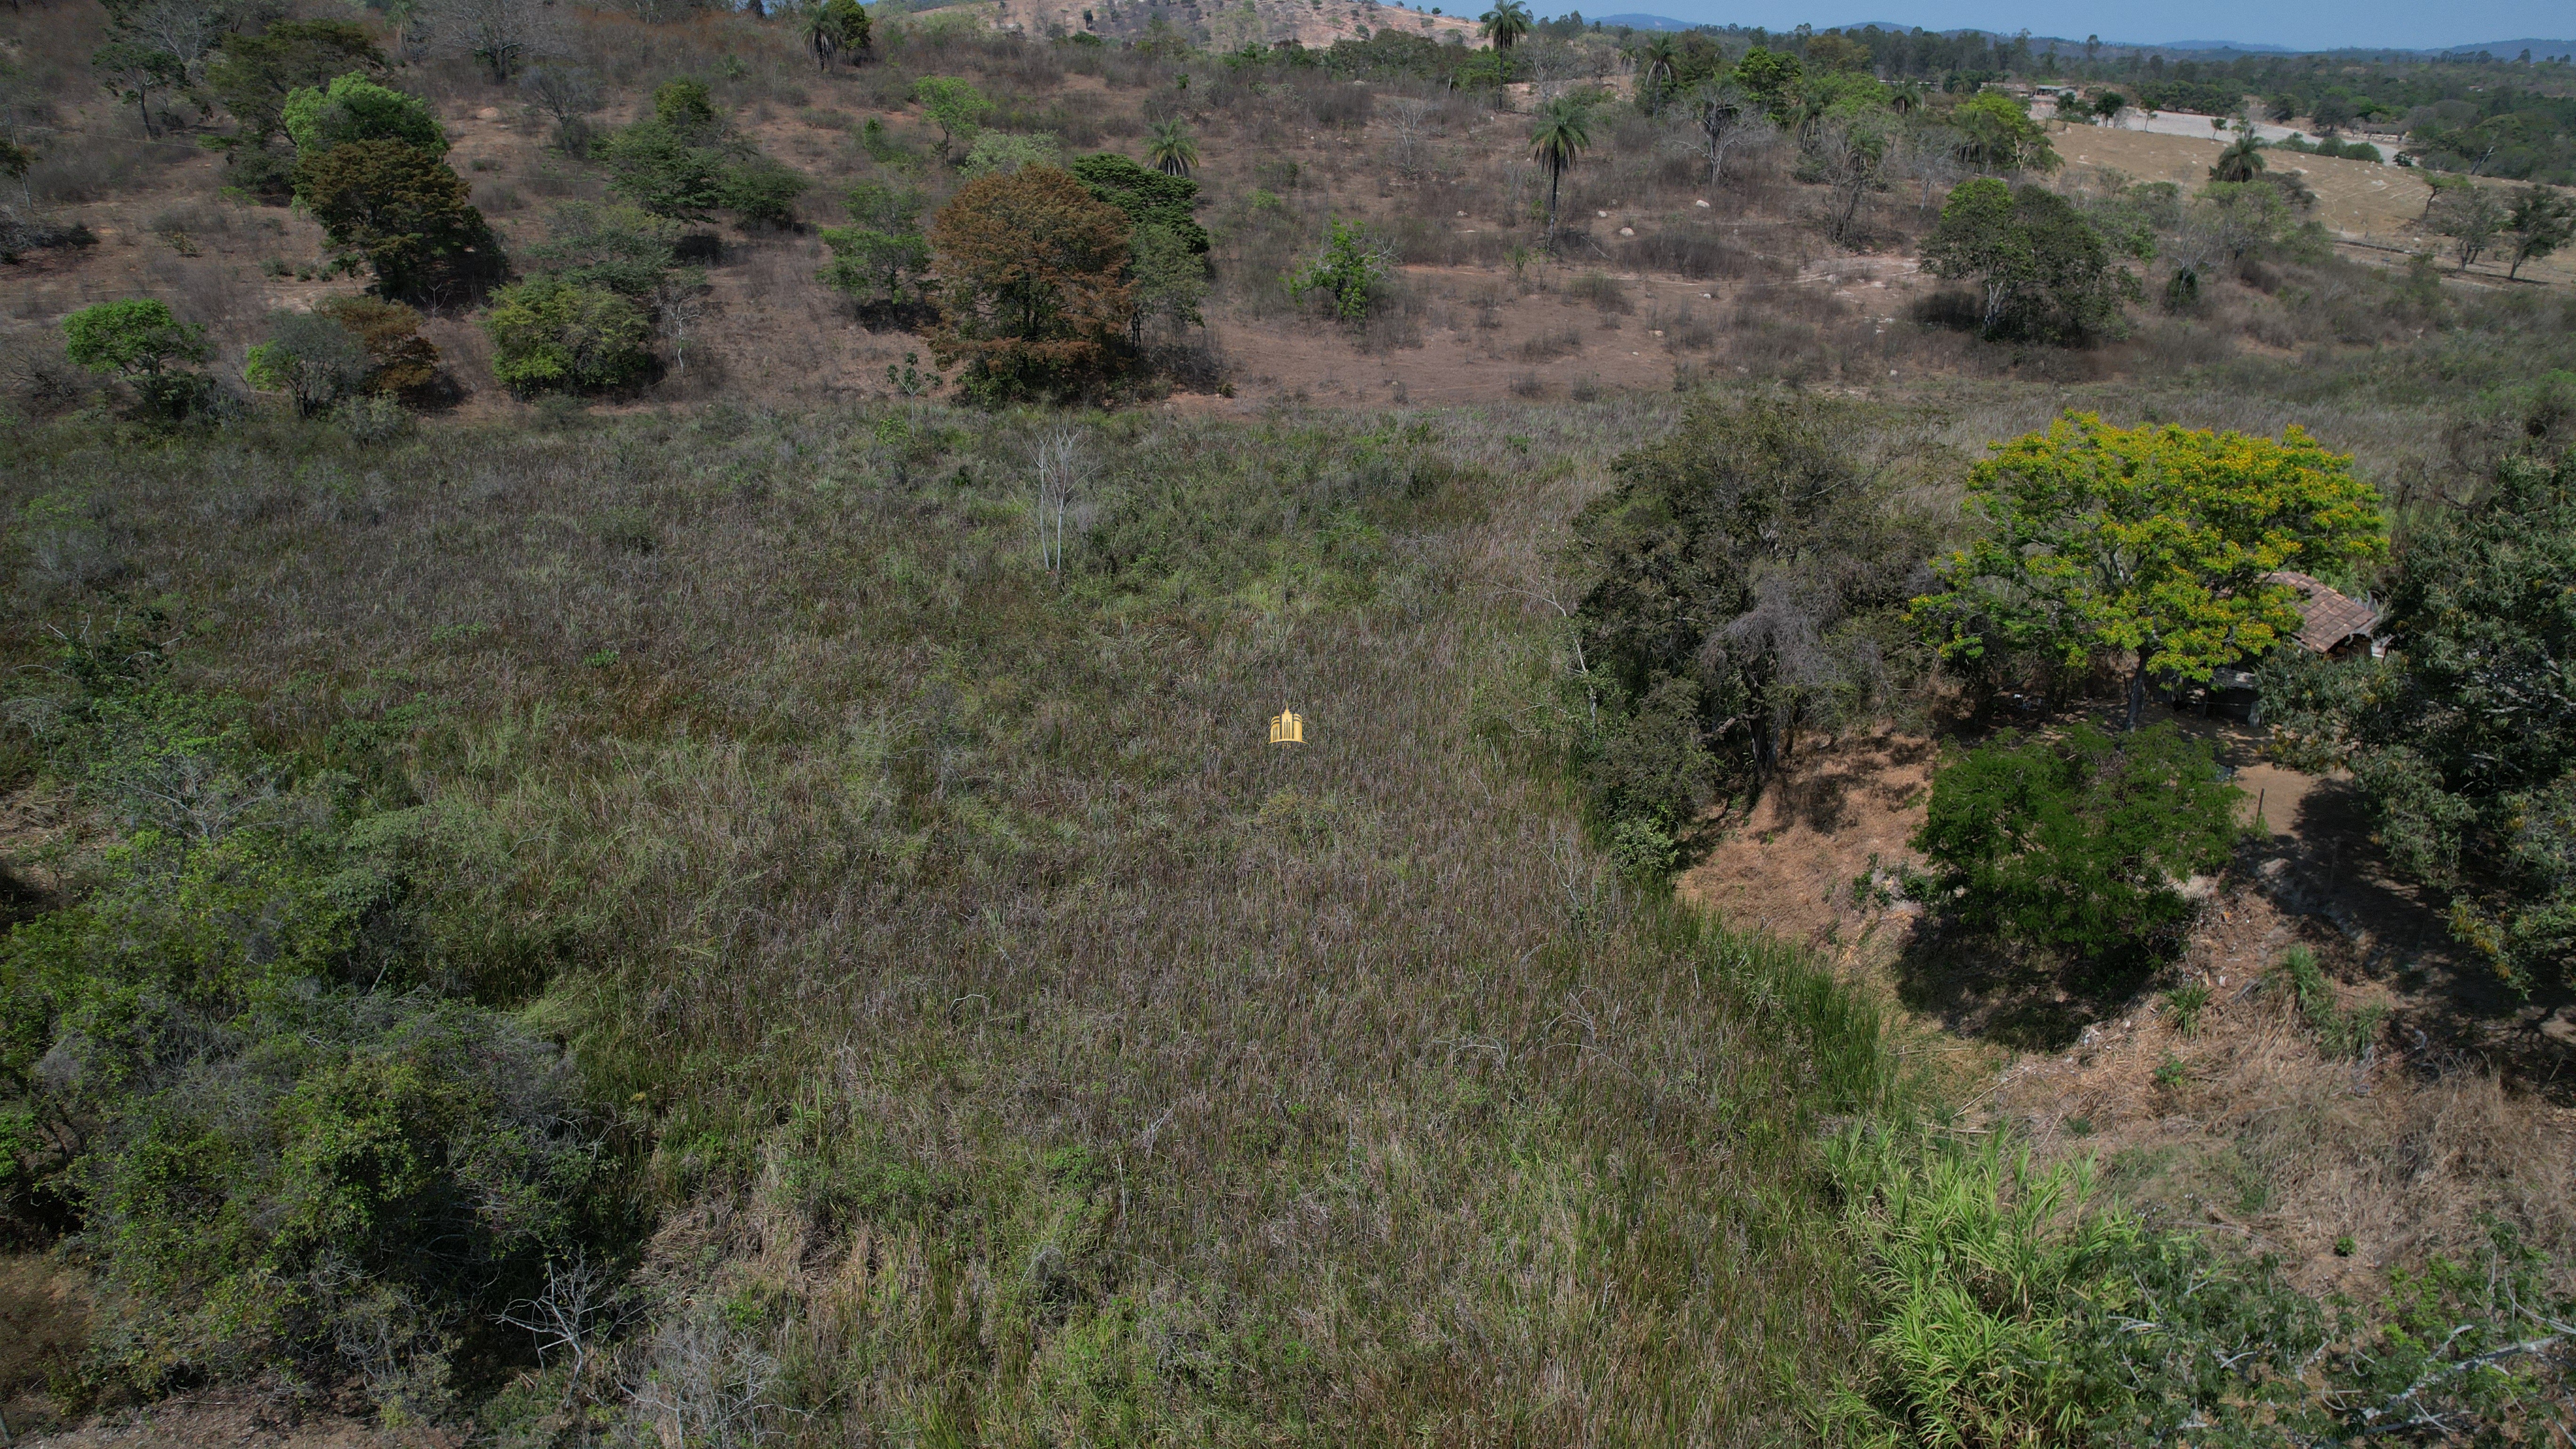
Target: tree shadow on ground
<point x="2368" y="924"/>
<point x="1820" y="796"/>
<point x="2013" y="995"/>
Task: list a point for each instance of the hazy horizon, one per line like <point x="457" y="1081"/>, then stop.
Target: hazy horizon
<point x="2363" y="23"/>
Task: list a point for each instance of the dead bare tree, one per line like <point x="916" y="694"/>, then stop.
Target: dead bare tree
<point x="501" y="35"/>
<point x="575" y="1315"/>
<point x="1723" y="119"/>
<point x="1411" y="119"/>
<point x="1060" y="468"/>
<point x="702" y="1383"/>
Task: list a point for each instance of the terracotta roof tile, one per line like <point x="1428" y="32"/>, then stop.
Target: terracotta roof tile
<point x="2331" y="617"/>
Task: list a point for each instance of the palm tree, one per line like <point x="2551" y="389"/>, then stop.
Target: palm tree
<point x="1563" y="132"/>
<point x="1507" y="22"/>
<point x="1171" y="147"/>
<point x="2242" y="161"/>
<point x="1655" y="60"/>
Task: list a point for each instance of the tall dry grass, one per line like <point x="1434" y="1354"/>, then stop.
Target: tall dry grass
<point x="1010" y="1043"/>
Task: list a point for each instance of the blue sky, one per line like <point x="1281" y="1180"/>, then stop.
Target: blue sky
<point x="2412" y="24"/>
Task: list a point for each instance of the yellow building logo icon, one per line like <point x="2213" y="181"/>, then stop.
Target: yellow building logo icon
<point x="1289" y="728"/>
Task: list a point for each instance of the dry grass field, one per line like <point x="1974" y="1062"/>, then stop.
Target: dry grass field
<point x="991" y="1041"/>
<point x="2375" y="208"/>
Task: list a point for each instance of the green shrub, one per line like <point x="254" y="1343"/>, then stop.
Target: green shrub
<point x="1348" y="276"/>
<point x="549" y="335"/>
<point x="2080" y="843"/>
<point x="2187" y="1003"/>
<point x="355" y="108"/>
<point x="2011" y="1309"/>
<point x="139" y="340"/>
<point x="684" y="163"/>
<point x="311" y="358"/>
<point x="288" y="1149"/>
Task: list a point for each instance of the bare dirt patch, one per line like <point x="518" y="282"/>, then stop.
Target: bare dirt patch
<point x="2372" y="207"/>
<point x="2250" y="1125"/>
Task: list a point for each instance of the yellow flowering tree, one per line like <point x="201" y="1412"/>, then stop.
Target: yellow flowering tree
<point x="2148" y="543"/>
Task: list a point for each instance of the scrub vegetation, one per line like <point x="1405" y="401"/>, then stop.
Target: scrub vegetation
<point x="577" y="872"/>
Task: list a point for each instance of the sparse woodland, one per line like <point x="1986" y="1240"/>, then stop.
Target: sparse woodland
<point x="633" y="805"/>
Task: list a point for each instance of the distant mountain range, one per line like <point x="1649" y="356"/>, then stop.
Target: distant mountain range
<point x="2500" y="49"/>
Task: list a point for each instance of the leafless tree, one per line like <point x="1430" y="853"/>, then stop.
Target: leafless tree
<point x="502" y="35"/>
<point x="1061" y="468"/>
<point x="1930" y="159"/>
<point x="704" y="1384"/>
<point x="579" y="1310"/>
<point x="186" y="30"/>
<point x="1413" y="120"/>
<point x="561" y="91"/>
<point x="1723" y="119"/>
<point x="679" y="300"/>
<point x="1550" y="65"/>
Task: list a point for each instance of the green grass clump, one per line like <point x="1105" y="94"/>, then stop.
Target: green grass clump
<point x="2342" y="1032"/>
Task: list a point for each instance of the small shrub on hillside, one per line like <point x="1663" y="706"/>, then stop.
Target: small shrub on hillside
<point x="881" y="254"/>
<point x="685" y="163"/>
<point x="2079" y="844"/>
<point x="139" y="341"/>
<point x="401" y="362"/>
<point x="1003" y="152"/>
<point x="551" y="335"/>
<point x="2342" y="1032"/>
<point x="1348" y="278"/>
<point x="311" y="358"/>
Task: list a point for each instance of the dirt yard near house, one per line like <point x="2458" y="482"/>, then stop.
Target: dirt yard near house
<point x="2466" y="1104"/>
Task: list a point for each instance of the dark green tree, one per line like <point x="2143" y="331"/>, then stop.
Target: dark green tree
<point x="836" y="28"/>
<point x="1150" y="198"/>
<point x="252" y="75"/>
<point x="2464" y="735"/>
<point x="2079" y="843"/>
<point x="1748" y="577"/>
<point x="2042" y="269"/>
<point x="406" y="212"/>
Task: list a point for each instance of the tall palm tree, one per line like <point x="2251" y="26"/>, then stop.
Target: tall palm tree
<point x="1171" y="147"/>
<point x="1655" y="60"/>
<point x="1563" y="132"/>
<point x="1506" y="23"/>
